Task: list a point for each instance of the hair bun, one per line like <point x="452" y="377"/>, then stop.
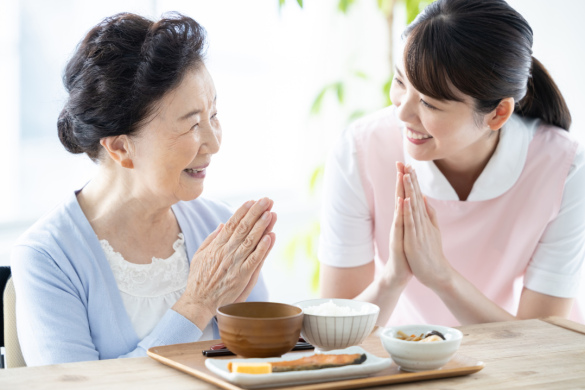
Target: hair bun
<point x="67" y="137"/>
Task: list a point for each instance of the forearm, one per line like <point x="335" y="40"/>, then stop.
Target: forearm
<point x="467" y="303"/>
<point x="385" y="294"/>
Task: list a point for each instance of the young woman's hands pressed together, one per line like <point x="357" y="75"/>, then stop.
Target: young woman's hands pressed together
<point x="424" y="255"/>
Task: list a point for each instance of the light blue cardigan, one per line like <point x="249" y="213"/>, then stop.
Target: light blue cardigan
<point x="68" y="305"/>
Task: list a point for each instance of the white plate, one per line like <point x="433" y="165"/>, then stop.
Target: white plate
<point x="372" y="365"/>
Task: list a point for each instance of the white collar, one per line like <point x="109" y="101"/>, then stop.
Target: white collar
<point x="499" y="175"/>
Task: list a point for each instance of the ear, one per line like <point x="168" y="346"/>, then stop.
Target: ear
<point x="120" y="149"/>
<point x="498" y="117"/>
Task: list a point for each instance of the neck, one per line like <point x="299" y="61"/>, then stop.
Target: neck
<point x="463" y="170"/>
<point x="113" y="204"/>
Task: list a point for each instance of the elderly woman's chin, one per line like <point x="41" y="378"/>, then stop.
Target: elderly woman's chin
<point x="190" y="188"/>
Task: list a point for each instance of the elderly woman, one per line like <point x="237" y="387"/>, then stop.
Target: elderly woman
<point x="136" y="258"/>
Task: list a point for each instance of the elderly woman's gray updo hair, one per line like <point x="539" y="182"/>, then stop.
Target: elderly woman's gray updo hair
<point x="119" y="71"/>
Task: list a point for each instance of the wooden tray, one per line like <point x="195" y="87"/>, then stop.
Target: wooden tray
<point x="188" y="359"/>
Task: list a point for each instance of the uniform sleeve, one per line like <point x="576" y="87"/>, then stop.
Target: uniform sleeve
<point x="346" y="225"/>
<point x="555" y="268"/>
<point x="52" y="318"/>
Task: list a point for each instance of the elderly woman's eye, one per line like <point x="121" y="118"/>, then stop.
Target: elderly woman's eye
<point x="214" y="116"/>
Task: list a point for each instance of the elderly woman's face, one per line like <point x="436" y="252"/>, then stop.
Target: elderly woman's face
<point x="173" y="150"/>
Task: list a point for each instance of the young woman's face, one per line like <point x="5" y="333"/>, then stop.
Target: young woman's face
<point x="437" y="129"/>
<point x="173" y="150"/>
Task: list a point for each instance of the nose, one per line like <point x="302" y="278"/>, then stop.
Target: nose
<point x="210" y="138"/>
<point x="407" y="107"/>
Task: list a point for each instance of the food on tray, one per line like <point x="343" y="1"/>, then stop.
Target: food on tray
<point x="312" y="362"/>
<point x="331" y="309"/>
<point x="431" y="336"/>
<point x="250" y="368"/>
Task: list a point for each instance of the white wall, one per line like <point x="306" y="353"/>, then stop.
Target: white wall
<point x="268" y="66"/>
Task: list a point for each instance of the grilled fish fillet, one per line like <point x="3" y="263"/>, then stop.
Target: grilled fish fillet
<point x="318" y="361"/>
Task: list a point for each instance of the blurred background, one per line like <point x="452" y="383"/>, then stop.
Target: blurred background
<point x="290" y="76"/>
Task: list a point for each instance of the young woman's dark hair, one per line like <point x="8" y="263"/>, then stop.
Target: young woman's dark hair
<point x="119" y="71"/>
<point x="484" y="49"/>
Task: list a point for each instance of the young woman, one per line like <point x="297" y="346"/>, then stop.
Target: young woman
<point x="464" y="202"/>
<point x="136" y="258"/>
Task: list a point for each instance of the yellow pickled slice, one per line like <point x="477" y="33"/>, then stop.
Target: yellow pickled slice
<point x="250" y="368"/>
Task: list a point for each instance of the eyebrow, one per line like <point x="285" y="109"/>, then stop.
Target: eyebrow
<point x="194" y="112"/>
<point x="398" y="71"/>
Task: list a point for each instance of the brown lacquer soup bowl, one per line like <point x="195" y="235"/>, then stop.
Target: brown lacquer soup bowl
<point x="259" y="329"/>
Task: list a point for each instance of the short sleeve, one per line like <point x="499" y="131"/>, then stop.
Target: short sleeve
<point x="346" y="225"/>
<point x="555" y="268"/>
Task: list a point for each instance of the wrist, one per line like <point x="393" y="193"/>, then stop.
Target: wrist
<point x="195" y="312"/>
<point x="393" y="281"/>
<point x="444" y="282"/>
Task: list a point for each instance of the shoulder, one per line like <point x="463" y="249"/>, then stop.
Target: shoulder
<point x="58" y="227"/>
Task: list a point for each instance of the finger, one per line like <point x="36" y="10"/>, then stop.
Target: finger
<point x="411" y="196"/>
<point x="399" y="185"/>
<point x="242" y="249"/>
<point x="272" y="223"/>
<point x="232" y="223"/>
<point x="258" y="255"/>
<point x="400" y="167"/>
<point x="251" y="284"/>
<point x="417" y="191"/>
<point x="210" y="238"/>
<point x="409" y="225"/>
<point x="398" y="227"/>
<point x="248" y="222"/>
<point x="431" y="212"/>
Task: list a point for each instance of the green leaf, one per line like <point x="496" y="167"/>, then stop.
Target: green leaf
<point x="362" y="75"/>
<point x="355" y="115"/>
<point x="315" y="276"/>
<point x="316" y="107"/>
<point x="290" y="251"/>
<point x="281" y="3"/>
<point x="386" y="91"/>
<point x="343" y="5"/>
<point x="300" y="2"/>
<point x="340" y="91"/>
<point x="316" y="178"/>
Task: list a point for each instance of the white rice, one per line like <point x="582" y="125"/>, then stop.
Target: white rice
<point x="329" y="308"/>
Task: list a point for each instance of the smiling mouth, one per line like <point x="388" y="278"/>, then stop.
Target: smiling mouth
<point x="193" y="170"/>
<point x="413" y="135"/>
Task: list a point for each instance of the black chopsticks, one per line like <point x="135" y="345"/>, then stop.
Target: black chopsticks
<point x="221" y="350"/>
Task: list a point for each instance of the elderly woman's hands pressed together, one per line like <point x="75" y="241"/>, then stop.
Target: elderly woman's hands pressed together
<point x="226" y="266"/>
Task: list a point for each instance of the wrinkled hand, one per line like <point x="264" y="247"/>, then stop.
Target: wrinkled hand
<point x="226" y="266"/>
<point x="397" y="268"/>
<point x="422" y="237"/>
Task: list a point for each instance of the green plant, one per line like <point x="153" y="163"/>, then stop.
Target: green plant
<point x="305" y="242"/>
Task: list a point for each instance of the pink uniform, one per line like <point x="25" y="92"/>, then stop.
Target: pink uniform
<point x="490" y="242"/>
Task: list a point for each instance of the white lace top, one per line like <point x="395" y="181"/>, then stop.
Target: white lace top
<point x="149" y="290"/>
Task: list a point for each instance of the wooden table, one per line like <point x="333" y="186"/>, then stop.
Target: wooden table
<point x="535" y="354"/>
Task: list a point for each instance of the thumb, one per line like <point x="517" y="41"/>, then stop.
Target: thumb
<point x="210" y="238"/>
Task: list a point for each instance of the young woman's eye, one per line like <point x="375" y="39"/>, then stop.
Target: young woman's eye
<point x="428" y="105"/>
<point x="399" y="82"/>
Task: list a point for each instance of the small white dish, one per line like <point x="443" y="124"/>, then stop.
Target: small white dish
<point x="329" y="332"/>
<point x="372" y="365"/>
<point x="415" y="356"/>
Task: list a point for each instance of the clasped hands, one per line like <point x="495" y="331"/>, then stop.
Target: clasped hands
<point x="415" y="238"/>
<point x="227" y="264"/>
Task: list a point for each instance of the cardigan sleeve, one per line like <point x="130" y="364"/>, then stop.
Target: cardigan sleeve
<point x="53" y="321"/>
